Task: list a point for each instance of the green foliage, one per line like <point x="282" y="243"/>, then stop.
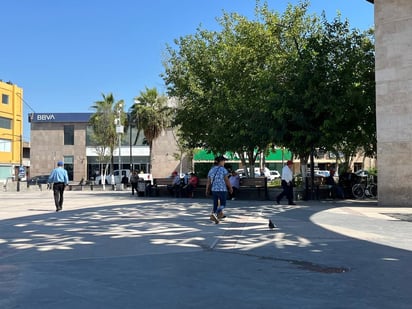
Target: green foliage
<point x="202" y="169"/>
<point x="275" y="183"/>
<point x="103" y="125"/>
<point x="373" y="171"/>
<point x="293" y="80"/>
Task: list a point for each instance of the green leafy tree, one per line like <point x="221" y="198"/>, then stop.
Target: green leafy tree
<point x="224" y="81"/>
<point x="104" y="131"/>
<point x="331" y="92"/>
<point x="288" y="80"/>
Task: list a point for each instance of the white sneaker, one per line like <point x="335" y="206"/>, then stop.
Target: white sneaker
<point x="214" y="218"/>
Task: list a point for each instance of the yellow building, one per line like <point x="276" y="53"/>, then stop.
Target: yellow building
<point x="11" y="129"/>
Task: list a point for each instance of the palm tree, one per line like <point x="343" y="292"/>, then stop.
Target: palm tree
<point x="104" y="130"/>
<point x="150" y="114"/>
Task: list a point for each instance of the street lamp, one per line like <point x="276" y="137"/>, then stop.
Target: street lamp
<point x="129" y="119"/>
<point x="119" y="130"/>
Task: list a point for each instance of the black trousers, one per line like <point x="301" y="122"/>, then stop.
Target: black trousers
<point x="235" y="193"/>
<point x="134" y="187"/>
<point x="58" y="190"/>
<point x="287" y="191"/>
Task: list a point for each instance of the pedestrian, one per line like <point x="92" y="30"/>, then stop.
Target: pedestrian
<point x="125" y="181"/>
<point x="113" y="182"/>
<point x="133" y="181"/>
<point x="60" y="179"/>
<point x="287" y="183"/>
<point x="235" y="182"/>
<point x="218" y="184"/>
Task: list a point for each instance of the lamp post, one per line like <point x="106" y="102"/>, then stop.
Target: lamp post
<point x="21" y="168"/>
<point x="129" y="119"/>
<point x="119" y="130"/>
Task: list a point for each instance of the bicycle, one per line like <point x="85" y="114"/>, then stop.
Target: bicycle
<point x="360" y="190"/>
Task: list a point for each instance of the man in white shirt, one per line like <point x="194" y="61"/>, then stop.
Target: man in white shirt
<point x="287" y="185"/>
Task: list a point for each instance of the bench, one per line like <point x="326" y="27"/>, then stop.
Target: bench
<point x="162" y="186"/>
<point x="200" y="190"/>
<point x="320" y="190"/>
<point x="81" y="185"/>
<point x="259" y="184"/>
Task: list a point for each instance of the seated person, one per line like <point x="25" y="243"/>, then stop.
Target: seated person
<point x="235" y="183"/>
<point x="192" y="184"/>
<point x="174" y="187"/>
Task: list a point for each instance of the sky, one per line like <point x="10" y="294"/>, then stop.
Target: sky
<point x="66" y="54"/>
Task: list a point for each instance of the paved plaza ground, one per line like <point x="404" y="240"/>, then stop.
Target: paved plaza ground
<point x="114" y="250"/>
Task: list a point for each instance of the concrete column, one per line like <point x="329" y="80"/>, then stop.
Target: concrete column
<point x="393" y="25"/>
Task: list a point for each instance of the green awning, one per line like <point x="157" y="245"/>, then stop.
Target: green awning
<point x="203" y="155"/>
<point x="276" y="155"/>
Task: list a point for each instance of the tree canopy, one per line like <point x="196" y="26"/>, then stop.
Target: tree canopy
<point x="104" y="130"/>
<point x="293" y="80"/>
<point x="150" y="114"/>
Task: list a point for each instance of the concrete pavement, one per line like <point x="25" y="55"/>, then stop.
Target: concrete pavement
<point x="112" y="250"/>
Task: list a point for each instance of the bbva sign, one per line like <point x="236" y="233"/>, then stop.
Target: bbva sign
<point x="45" y="117"/>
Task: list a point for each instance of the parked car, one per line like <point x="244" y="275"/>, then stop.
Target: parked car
<point x="362" y="173"/>
<point x="274" y="175"/>
<point x="242" y="173"/>
<point x="322" y="173"/>
<point x="118" y="175"/>
<point x="38" y="180"/>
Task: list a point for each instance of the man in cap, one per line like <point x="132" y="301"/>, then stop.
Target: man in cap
<point x="287" y="185"/>
<point x="59" y="178"/>
<point x="218" y="184"/>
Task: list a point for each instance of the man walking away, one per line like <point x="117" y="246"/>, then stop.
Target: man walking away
<point x="287" y="185"/>
<point x="59" y="178"/>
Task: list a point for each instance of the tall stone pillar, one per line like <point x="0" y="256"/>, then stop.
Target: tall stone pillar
<point x="393" y="26"/>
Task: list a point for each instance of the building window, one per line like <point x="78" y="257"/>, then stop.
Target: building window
<point x="5" y="145"/>
<point x="5" y="98"/>
<point x="5" y="123"/>
<point x="69" y="135"/>
<point x="357" y="166"/>
<point x="68" y="165"/>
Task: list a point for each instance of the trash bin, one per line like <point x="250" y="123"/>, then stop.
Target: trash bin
<point x="141" y="187"/>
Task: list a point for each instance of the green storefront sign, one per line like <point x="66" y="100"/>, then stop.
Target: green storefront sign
<point x="278" y="155"/>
